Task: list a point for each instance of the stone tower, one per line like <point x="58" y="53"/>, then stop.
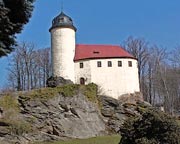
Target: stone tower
<point x="63" y="47"/>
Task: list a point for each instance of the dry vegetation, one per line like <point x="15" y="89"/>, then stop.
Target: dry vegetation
<point x="11" y="118"/>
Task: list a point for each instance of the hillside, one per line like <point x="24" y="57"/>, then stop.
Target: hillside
<point x="61" y="113"/>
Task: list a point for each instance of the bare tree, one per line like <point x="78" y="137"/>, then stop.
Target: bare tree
<point x="159" y="73"/>
<point x="29" y="68"/>
<point x="139" y="49"/>
<point x="42" y="67"/>
<point x="157" y="57"/>
<point x="27" y="54"/>
<point x="163" y="79"/>
<point x="175" y="77"/>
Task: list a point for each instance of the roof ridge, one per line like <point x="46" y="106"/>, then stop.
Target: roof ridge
<point x="99" y="45"/>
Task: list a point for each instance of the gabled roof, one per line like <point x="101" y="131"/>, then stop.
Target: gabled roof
<point x="100" y="52"/>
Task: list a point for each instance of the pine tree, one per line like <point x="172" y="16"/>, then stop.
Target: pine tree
<point x="14" y="14"/>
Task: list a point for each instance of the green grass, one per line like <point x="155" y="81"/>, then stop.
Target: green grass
<point x="90" y="91"/>
<point x="48" y="93"/>
<point x="96" y="140"/>
<point x="9" y="102"/>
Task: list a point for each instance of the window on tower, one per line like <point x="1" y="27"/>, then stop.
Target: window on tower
<point x="61" y="20"/>
<point x="81" y="65"/>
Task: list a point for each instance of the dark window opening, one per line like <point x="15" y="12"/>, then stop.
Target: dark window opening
<point x="119" y="63"/>
<point x="81" y="65"/>
<point x="82" y="81"/>
<point x="61" y="19"/>
<point x="99" y="64"/>
<point x="95" y="52"/>
<point x="130" y="63"/>
<point x="109" y="63"/>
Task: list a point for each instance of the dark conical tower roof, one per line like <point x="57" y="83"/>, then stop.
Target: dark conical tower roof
<point x="1" y="3"/>
<point x="62" y="21"/>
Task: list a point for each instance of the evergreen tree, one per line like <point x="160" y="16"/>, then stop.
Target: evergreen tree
<point x="150" y="127"/>
<point x="13" y="15"/>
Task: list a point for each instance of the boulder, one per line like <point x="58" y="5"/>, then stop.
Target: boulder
<point x="57" y="81"/>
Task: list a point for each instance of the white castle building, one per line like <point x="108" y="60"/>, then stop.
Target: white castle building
<point x="112" y="68"/>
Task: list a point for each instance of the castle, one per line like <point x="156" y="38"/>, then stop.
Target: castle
<point x="112" y="68"/>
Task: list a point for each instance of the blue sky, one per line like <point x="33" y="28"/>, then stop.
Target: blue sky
<point x="105" y="22"/>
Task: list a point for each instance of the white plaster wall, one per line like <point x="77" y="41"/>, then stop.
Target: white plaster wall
<point x="63" y="51"/>
<point x="84" y="72"/>
<point x="112" y="81"/>
<point x="115" y="81"/>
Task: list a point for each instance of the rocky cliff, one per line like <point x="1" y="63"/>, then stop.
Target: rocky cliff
<point x="65" y="112"/>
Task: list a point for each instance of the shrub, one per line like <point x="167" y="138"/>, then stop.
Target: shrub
<point x="151" y="127"/>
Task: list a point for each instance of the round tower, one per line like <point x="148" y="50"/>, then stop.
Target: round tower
<point x="63" y="47"/>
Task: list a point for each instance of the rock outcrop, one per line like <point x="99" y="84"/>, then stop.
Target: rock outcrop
<point x="65" y="113"/>
<point x="115" y="112"/>
<point x="73" y="117"/>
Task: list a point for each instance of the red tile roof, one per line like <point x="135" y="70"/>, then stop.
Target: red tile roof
<point x="100" y="51"/>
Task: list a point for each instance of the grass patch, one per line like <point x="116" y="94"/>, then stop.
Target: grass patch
<point x="96" y="140"/>
<point x="19" y="127"/>
<point x="9" y="102"/>
<point x="90" y="91"/>
<point x="15" y="124"/>
<point x="47" y="93"/>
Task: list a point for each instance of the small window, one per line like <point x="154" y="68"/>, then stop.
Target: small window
<point x="119" y="63"/>
<point x="61" y="19"/>
<point x="99" y="64"/>
<point x="109" y="63"/>
<point x="130" y="63"/>
<point x="81" y="65"/>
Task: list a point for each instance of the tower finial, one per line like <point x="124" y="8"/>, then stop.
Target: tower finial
<point x="62" y="5"/>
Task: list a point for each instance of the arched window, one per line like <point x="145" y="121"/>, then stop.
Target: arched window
<point x="82" y="81"/>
